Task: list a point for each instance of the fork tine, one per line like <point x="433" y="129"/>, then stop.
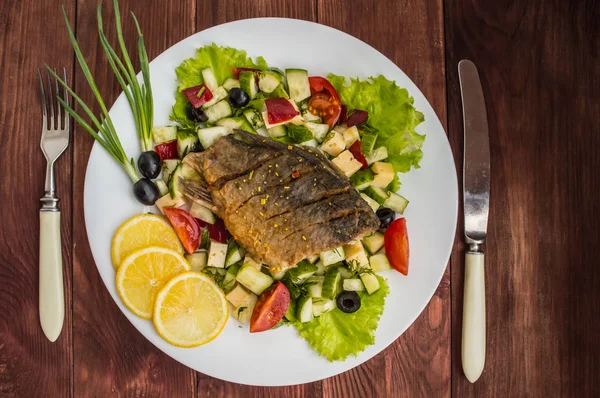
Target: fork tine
<point x="66" y="99"/>
<point x="44" y="112"/>
<point x="59" y="110"/>
<point x="51" y="101"/>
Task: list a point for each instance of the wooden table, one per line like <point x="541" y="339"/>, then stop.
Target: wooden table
<point x="540" y="66"/>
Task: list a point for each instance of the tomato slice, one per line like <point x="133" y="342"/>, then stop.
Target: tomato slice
<point x="357" y="117"/>
<point x="396" y="245"/>
<point x="198" y="95"/>
<point x="280" y="110"/>
<point x="356" y="150"/>
<point x="270" y="308"/>
<point x="236" y="71"/>
<point x="186" y="227"/>
<point x="325" y="101"/>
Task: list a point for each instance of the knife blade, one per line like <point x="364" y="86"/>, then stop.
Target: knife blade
<point x="476" y="197"/>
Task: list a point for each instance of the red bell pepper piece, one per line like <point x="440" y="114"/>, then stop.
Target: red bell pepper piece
<point x="280" y="110"/>
<point x="167" y="150"/>
<point x="198" y="95"/>
<point x="356" y="150"/>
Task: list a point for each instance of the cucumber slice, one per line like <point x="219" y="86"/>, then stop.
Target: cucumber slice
<point x="231" y="83"/>
<point x="368" y="142"/>
<point x="174" y="183"/>
<point x="249" y="261"/>
<point x="209" y="135"/>
<point x="370" y="281"/>
<point x="310" y="143"/>
<point x="353" y="285"/>
<point x="209" y="79"/>
<point x="332" y="256"/>
<point x="298" y="85"/>
<point x="248" y="83"/>
<point x="322" y="306"/>
<point x="376" y="155"/>
<point x="371" y="202"/>
<point x="315" y="286"/>
<point x="205" y="240"/>
<point x="332" y="283"/>
<point x="279" y="92"/>
<point x="229" y="280"/>
<point x="319" y="131"/>
<point x="351" y="135"/>
<point x="374" y="242"/>
<point x="396" y="202"/>
<point x="218" y="111"/>
<point x="277" y="131"/>
<point x="233" y="254"/>
<point x="262" y="131"/>
<point x="164" y="134"/>
<point x="290" y="314"/>
<point x="345" y="272"/>
<point x="304" y="311"/>
<point x="236" y="123"/>
<point x="187" y="141"/>
<point x="218" y="95"/>
<point x="254" y="118"/>
<point x="203" y="213"/>
<point x="197" y="260"/>
<point x="320" y="268"/>
<point x="253" y="279"/>
<point x="356" y="252"/>
<point x="379" y="262"/>
<point x="277" y="275"/>
<point x="302" y="272"/>
<point x="362" y="179"/>
<point x="162" y="187"/>
<point x="312" y="259"/>
<point x="167" y="201"/>
<point x="217" y="252"/>
<point x="384" y="174"/>
<point x="239" y="296"/>
<point x="380" y="195"/>
<point x="333" y="143"/>
<point x="310" y="117"/>
<point x="168" y="167"/>
<point x="268" y="81"/>
<point x="188" y="173"/>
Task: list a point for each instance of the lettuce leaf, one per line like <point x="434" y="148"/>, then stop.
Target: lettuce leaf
<point x="220" y="60"/>
<point x="391" y="111"/>
<point x="337" y="335"/>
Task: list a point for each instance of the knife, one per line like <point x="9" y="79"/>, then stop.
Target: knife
<point x="476" y="199"/>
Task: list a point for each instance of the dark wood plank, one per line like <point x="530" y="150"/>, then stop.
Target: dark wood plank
<point x="410" y="34"/>
<point x="111" y="357"/>
<point x="539" y="62"/>
<point x="30" y="365"/>
<point x="209" y="15"/>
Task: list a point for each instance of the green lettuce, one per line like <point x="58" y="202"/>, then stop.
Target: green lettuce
<point x="337" y="335"/>
<point x="391" y="111"/>
<point x="220" y="60"/>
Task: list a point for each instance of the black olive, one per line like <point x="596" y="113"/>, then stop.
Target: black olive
<point x="386" y="216"/>
<point x="238" y="98"/>
<point x="145" y="191"/>
<point x="149" y="164"/>
<point x="348" y="302"/>
<point x="195" y="114"/>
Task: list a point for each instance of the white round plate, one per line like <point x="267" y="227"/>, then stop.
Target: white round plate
<point x="281" y="357"/>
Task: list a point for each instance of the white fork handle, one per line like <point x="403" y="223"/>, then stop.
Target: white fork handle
<point x="52" y="302"/>
<point x="473" y="330"/>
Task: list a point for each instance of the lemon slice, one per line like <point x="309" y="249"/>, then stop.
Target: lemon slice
<point x="190" y="310"/>
<point x="142" y="231"/>
<point x="143" y="273"/>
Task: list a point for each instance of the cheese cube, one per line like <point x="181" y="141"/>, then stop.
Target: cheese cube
<point x="334" y="145"/>
<point x="346" y="163"/>
<point x="356" y="252"/>
<point x="217" y="253"/>
<point x="384" y="174"/>
<point x="167" y="201"/>
<point x="239" y="296"/>
<point x="351" y="135"/>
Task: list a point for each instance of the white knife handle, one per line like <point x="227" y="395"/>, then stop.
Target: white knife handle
<point x="473" y="327"/>
<point x="52" y="302"/>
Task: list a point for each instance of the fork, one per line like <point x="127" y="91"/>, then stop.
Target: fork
<point x="55" y="139"/>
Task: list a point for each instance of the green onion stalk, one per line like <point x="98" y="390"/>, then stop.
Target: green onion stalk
<point x="138" y="96"/>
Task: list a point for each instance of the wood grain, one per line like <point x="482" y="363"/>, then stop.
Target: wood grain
<point x="418" y="363"/>
<point x="540" y="72"/>
<point x="111" y="357"/>
<point x="29" y="363"/>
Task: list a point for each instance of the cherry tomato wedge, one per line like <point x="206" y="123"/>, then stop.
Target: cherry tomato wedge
<point x="396" y="245"/>
<point x="186" y="227"/>
<point x="236" y="71"/>
<point x="198" y="95"/>
<point x="324" y="101"/>
<point x="218" y="231"/>
<point x="270" y="308"/>
<point x="280" y="110"/>
<point x="356" y="151"/>
<point x="167" y="150"/>
<point x="357" y="117"/>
